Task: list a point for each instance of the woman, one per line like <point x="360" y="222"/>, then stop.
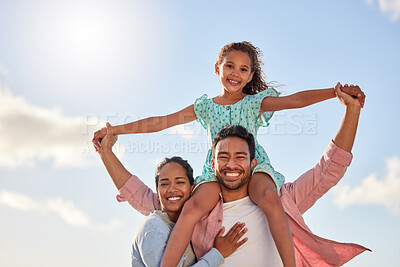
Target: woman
<point x="174" y="183"/>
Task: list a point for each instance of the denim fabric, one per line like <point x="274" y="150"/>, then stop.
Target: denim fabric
<point x="151" y="239"/>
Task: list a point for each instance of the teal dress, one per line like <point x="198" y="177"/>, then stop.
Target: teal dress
<point x="214" y="118"/>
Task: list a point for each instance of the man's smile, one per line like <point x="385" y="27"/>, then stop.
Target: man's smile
<point x="231" y="175"/>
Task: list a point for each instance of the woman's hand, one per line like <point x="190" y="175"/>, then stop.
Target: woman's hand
<point x="354" y="91"/>
<point x="99" y="135"/>
<point x="228" y="244"/>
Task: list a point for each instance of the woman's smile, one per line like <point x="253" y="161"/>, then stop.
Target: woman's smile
<point x="173" y="189"/>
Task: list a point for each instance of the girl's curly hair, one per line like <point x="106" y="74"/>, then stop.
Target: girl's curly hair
<point x="257" y="84"/>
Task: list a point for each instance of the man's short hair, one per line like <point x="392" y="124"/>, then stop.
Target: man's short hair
<point x="235" y="131"/>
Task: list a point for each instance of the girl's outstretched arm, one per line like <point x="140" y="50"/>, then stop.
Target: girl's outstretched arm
<point x="309" y="97"/>
<point x="148" y="125"/>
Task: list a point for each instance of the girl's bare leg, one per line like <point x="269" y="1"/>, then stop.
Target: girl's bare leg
<point x="203" y="200"/>
<point x="262" y="190"/>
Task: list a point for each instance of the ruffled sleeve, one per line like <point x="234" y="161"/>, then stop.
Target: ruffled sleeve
<point x="200" y="109"/>
<point x="263" y="120"/>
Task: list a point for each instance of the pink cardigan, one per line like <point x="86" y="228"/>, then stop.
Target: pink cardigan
<point x="296" y="197"/>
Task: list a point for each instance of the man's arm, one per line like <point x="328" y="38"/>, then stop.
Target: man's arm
<point x="344" y="138"/>
<point x="313" y="184"/>
<point x="130" y="187"/>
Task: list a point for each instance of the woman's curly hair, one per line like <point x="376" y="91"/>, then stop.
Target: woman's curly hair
<point x="257" y="84"/>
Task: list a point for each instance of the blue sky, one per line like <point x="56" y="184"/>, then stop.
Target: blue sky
<point x="66" y="67"/>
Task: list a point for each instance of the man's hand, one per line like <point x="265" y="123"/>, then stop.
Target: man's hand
<point x="354" y="91"/>
<point x="107" y="141"/>
<point x="347" y="99"/>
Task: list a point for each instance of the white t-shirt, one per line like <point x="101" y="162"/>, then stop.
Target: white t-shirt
<point x="260" y="249"/>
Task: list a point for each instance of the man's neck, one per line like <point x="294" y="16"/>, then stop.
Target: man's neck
<point x="229" y="195"/>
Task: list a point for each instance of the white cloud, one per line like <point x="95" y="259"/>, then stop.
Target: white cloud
<point x="30" y="133"/>
<point x="388" y="7"/>
<point x="65" y="209"/>
<point x="18" y="201"/>
<point x="113" y="224"/>
<point x="373" y="190"/>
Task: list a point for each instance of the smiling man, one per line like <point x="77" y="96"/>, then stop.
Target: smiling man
<point x="233" y="162"/>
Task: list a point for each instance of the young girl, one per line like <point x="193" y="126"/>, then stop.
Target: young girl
<point x="245" y="100"/>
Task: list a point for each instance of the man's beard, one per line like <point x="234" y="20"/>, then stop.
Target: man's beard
<point x="233" y="186"/>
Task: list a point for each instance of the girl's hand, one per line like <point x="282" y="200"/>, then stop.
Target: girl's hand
<point x="228" y="244"/>
<point x="355" y="92"/>
<point x="109" y="140"/>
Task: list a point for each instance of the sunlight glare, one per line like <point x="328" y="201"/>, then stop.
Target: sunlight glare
<point x="82" y="42"/>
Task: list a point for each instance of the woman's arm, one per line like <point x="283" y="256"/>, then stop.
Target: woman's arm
<point x="131" y="188"/>
<point x="114" y="167"/>
<point x="309" y="97"/>
<point x="148" y="125"/>
<point x="152" y="239"/>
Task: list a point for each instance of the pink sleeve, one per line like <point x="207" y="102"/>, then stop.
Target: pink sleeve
<point x="314" y="183"/>
<point x="139" y="196"/>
